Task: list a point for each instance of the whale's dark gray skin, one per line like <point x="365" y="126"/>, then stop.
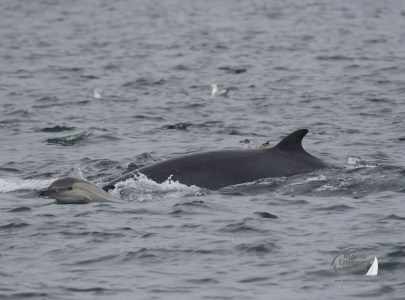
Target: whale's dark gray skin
<point x="210" y="170"/>
<point x="218" y="169"/>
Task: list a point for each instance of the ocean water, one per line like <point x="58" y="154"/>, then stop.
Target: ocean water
<point x="334" y="67"/>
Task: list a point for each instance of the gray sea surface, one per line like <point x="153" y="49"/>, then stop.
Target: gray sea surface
<point x="334" y="67"/>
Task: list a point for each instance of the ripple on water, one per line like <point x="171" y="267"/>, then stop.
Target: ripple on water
<point x="258" y="248"/>
<point x="48" y="98"/>
<point x="58" y="128"/>
<point x="240" y="228"/>
<point x="14" y="225"/>
<point x="233" y="70"/>
<point x="335" y="208"/>
<point x="144" y="82"/>
<point x="207" y="280"/>
<point x="190" y="208"/>
<point x="194" y="203"/>
<point x="266" y="215"/>
<point x="97" y="290"/>
<point x="254" y="279"/>
<point x="382" y="290"/>
<point x="24" y="295"/>
<point x="397" y="251"/>
<point x="70" y="140"/>
<point x="20" y="209"/>
<point x="179" y="126"/>
<point x="96" y="260"/>
<point x="394" y="217"/>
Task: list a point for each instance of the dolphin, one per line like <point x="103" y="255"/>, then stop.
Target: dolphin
<point x="211" y="170"/>
<point x="70" y="190"/>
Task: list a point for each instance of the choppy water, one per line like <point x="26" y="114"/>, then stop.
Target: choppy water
<point x="334" y="67"/>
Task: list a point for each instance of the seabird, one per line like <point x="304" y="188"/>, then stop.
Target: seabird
<point x="264" y="145"/>
<point x="216" y="92"/>
<point x="246" y="143"/>
<point x="97" y="93"/>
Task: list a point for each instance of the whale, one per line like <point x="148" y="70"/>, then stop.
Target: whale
<point x="211" y="170"/>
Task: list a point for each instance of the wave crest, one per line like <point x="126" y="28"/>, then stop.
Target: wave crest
<point x="141" y="188"/>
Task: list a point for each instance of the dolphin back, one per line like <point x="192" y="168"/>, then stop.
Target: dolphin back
<point x="71" y="190"/>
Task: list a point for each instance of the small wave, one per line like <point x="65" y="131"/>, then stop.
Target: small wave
<point x="20" y="209"/>
<point x="258" y="248"/>
<point x="183" y="212"/>
<point x="110" y="67"/>
<point x="190" y="208"/>
<point x="327" y="187"/>
<point x="14" y="225"/>
<point x="89" y="77"/>
<point x="23" y="295"/>
<point x="208" y="125"/>
<point x="141" y="188"/>
<point x="241" y="227"/>
<point x="334" y="57"/>
<point x="179" y="126"/>
<point x="317" y="178"/>
<point x="145" y="117"/>
<point x="48" y="99"/>
<point x="335" y="208"/>
<point x="57" y="128"/>
<point x="8" y="185"/>
<point x="69" y="140"/>
<point x="397" y="251"/>
<point x="197" y="203"/>
<point x="208" y="280"/>
<point x="77" y="172"/>
<point x="233" y="70"/>
<point x="394" y="217"/>
<point x="266" y="215"/>
<point x="254" y="279"/>
<point x="181" y="67"/>
<point x="255" y="187"/>
<point x="144" y="82"/>
<point x="97" y="290"/>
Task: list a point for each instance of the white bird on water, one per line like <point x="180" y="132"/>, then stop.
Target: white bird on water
<point x="97" y="93"/>
<point x="216" y="92"/>
<point x="264" y="145"/>
<point x="246" y="143"/>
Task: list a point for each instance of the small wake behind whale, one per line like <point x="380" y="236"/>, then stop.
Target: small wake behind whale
<point x="210" y="170"/>
<point x="10" y="184"/>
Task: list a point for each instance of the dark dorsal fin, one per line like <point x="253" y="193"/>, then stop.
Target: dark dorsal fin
<point x="293" y="141"/>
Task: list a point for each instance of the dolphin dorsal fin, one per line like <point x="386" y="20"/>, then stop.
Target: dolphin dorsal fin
<point x="292" y="142"/>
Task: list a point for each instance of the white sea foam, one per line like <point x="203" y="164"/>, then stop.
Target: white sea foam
<point x="141" y="188"/>
<point x="77" y="172"/>
<point x="317" y="178"/>
<point x="8" y="185"/>
<point x="327" y="187"/>
<point x="357" y="163"/>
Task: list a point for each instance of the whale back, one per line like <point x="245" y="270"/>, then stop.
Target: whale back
<point x="217" y="169"/>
